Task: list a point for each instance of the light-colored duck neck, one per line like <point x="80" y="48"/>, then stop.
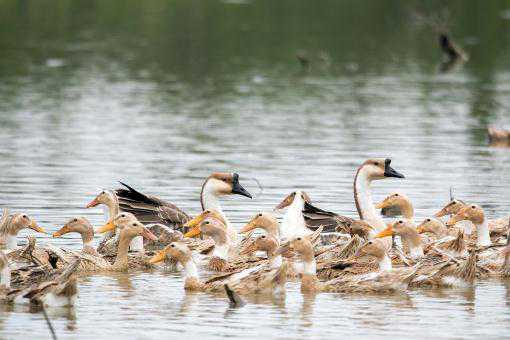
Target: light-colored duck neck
<point x="483" y="235"/>
<point x="364" y="202"/>
<point x="9" y="233"/>
<point x="88" y="243"/>
<point x="209" y="200"/>
<point x="121" y="261"/>
<point x="293" y="224"/>
<point x="191" y="278"/>
<point x="412" y="239"/>
<point x="384" y="262"/>
<point x="5" y="277"/>
<point x="309" y="281"/>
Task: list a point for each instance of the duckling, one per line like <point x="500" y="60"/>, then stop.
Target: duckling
<point x="11" y="225"/>
<point x="397" y="204"/>
<point x="386" y="280"/>
<point x="250" y="280"/>
<point x="83" y="227"/>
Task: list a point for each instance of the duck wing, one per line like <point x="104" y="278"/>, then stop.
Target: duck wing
<point x="315" y="217"/>
<point x="150" y="209"/>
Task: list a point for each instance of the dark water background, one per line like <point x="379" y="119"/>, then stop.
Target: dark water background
<point x="161" y="93"/>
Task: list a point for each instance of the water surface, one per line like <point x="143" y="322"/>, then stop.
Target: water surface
<point x="160" y="95"/>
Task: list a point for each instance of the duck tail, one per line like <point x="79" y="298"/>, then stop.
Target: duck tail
<point x="233" y="297"/>
<point x="467" y="271"/>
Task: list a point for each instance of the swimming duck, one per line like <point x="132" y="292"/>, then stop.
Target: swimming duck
<point x="254" y="279"/>
<point x="83" y="227"/>
<point x="301" y="209"/>
<point x="409" y="235"/>
<point x="151" y="209"/>
<point x="122" y="262"/>
<point x="265" y="221"/>
<point x="58" y="292"/>
<point x="476" y="215"/>
<point x="387" y="280"/>
<point x="11" y="225"/>
<point x="397" y="204"/>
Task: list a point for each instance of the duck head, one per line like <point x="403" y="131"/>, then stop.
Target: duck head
<point x="431" y="225"/>
<point x="263" y="220"/>
<point x="78" y="225"/>
<point x="396" y="204"/>
<point x="450" y="208"/>
<point x="289" y="199"/>
<point x="193" y="225"/>
<point x="119" y="220"/>
<point x="104" y="197"/>
<point x="379" y="168"/>
<point x="23" y="221"/>
<point x="473" y="213"/>
<point x="176" y="250"/>
<point x="265" y="243"/>
<point x="223" y="183"/>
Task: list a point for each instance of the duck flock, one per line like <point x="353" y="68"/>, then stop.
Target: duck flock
<point x="325" y="251"/>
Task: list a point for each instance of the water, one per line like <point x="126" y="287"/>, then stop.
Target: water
<point x="160" y="95"/>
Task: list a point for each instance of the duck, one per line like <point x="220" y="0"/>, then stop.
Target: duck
<point x="498" y="137"/>
<point x="475" y="214"/>
<point x="450" y="240"/>
<point x="369" y="171"/>
<point x="57" y="292"/>
<point x="263" y="220"/>
<point x="122" y="261"/>
<point x="362" y="229"/>
<point x="386" y="280"/>
<point x="83" y="227"/>
<point x="302" y="212"/>
<point x="254" y="279"/>
<point x="452" y="51"/>
<point x="408" y="234"/>
<point x="151" y="209"/>
<point x="109" y="246"/>
<point x="11" y="225"/>
<point x="397" y="204"/>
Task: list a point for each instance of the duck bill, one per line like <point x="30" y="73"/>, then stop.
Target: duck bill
<point x="107" y="227"/>
<point x="283" y="249"/>
<point x="194" y="222"/>
<point x="35" y="227"/>
<point x="389" y="171"/>
<point x="237" y="188"/>
<point x="441" y="213"/>
<point x="386" y="232"/>
<point x="194" y="232"/>
<point x="146" y="233"/>
<point x="420" y="229"/>
<point x="248" y="227"/>
<point x="92" y="203"/>
<point x="452" y="221"/>
<point x="381" y="205"/>
<point x="160" y="256"/>
<point x="62" y="231"/>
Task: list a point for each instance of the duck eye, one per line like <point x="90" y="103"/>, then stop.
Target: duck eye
<point x="396" y="194"/>
<point x="172" y="245"/>
<point x="260" y="215"/>
<point x="25" y="216"/>
<point x="263" y="236"/>
<point x="376" y="163"/>
<point x="473" y="207"/>
<point x="299" y="238"/>
<point x="122" y="215"/>
<point x="207" y="222"/>
<point x="75" y="220"/>
<point x="428" y="219"/>
<point x="400" y="222"/>
<point x="370" y="242"/>
<point x="103" y="192"/>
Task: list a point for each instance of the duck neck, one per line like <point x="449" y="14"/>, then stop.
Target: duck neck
<point x="294" y="220"/>
<point x="309" y="267"/>
<point x="209" y="198"/>
<point x="11" y="241"/>
<point x="221" y="251"/>
<point x="275" y="261"/>
<point x="191" y="279"/>
<point x="408" y="211"/>
<point x="136" y="244"/>
<point x="121" y="261"/>
<point x="413" y="241"/>
<point x="363" y="200"/>
<point x="5" y="276"/>
<point x="385" y="263"/>
<point x="482" y="233"/>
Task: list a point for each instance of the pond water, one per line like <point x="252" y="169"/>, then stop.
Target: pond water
<point x="159" y="95"/>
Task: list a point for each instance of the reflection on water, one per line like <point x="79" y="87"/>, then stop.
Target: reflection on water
<point x="160" y="94"/>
